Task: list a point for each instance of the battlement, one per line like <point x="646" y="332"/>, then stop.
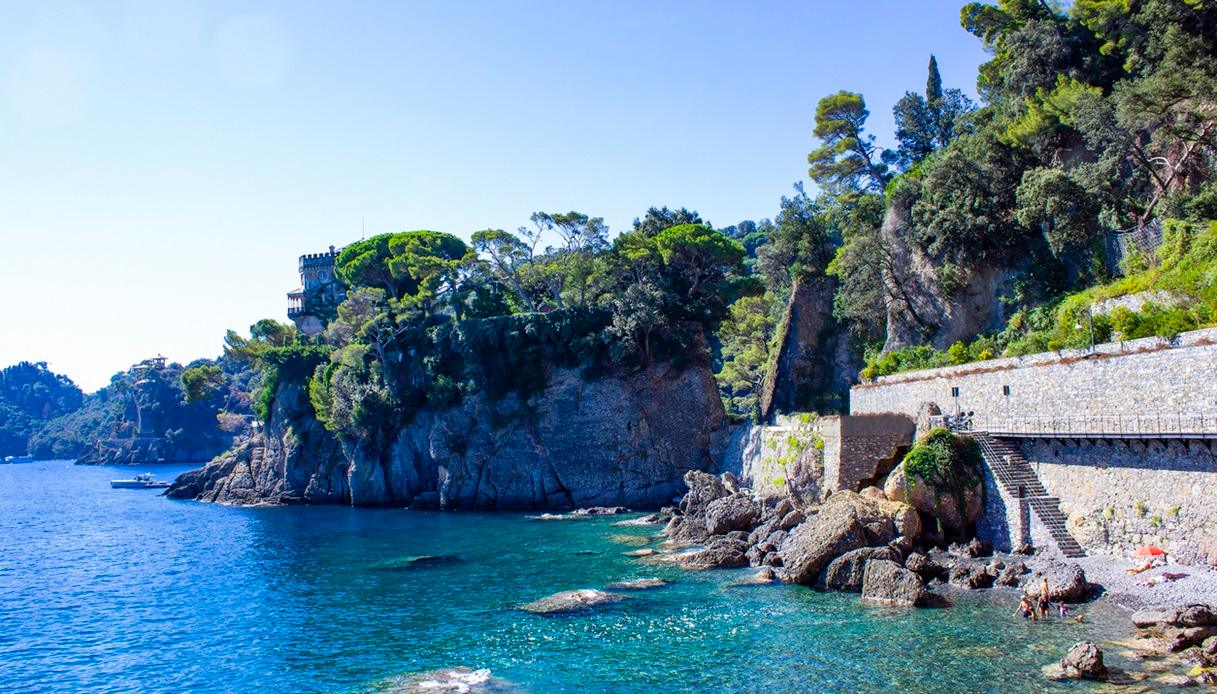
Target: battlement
<point x="316" y="260"/>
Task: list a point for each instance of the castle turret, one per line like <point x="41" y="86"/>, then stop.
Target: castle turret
<point x="314" y="303"/>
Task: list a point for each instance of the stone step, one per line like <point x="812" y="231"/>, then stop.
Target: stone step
<point x="1018" y="477"/>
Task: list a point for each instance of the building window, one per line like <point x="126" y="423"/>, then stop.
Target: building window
<point x="954" y="392"/>
<point x="1005" y="390"/>
<point x="322" y="275"/>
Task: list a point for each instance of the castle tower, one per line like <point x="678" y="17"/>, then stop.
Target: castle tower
<point x="313" y="305"/>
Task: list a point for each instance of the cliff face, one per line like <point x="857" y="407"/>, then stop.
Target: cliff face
<point x="625" y="440"/>
<point x="814" y="365"/>
<point x="921" y="307"/>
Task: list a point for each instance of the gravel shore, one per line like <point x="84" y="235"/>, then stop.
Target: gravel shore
<point x="1200" y="584"/>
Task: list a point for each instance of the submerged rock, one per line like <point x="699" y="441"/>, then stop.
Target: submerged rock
<point x="637" y="584"/>
<point x="762" y="577"/>
<point x="457" y="680"/>
<point x="571" y="601"/>
<point x="644" y="552"/>
<point x="424" y="561"/>
<point x="887" y="583"/>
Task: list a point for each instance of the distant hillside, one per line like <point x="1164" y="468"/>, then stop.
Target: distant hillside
<point x="30" y="395"/>
<point x="149" y="413"/>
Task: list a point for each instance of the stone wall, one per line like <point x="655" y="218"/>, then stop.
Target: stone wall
<point x="1116" y="494"/>
<point x="1120" y="495"/>
<point x="808" y="457"/>
<point x="1151" y="375"/>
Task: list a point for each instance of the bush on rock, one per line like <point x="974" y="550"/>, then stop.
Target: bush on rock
<point x="940" y="477"/>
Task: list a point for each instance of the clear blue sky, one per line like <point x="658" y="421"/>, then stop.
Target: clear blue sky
<point x="164" y="162"/>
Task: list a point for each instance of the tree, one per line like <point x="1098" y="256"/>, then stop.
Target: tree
<point x="265" y="334"/>
<point x="847" y="159"/>
<point x="507" y="254"/>
<point x="745" y="335"/>
<point x="365" y="264"/>
<point x="427" y="266"/>
<point x="802" y="241"/>
<point x="1051" y="200"/>
<point x="200" y="382"/>
<point x="571" y="265"/>
<point x="658" y="219"/>
<point x="637" y="315"/>
<point x="927" y="123"/>
<point x="699" y="256"/>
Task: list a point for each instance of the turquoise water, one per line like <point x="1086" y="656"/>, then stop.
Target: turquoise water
<point x="123" y="590"/>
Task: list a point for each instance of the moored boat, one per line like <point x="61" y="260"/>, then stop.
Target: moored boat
<point x="144" y="480"/>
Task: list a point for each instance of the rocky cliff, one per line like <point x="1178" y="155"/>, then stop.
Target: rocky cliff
<point x="932" y="301"/>
<point x="617" y="440"/>
<point x="814" y="365"/>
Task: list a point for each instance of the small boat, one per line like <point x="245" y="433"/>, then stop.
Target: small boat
<point x="18" y="459"/>
<point x="144" y="480"/>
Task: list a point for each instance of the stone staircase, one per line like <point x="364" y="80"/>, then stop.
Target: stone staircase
<point x="1020" y="481"/>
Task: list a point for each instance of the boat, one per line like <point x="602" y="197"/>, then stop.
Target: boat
<point x="144" y="480"/>
<point x="18" y="459"/>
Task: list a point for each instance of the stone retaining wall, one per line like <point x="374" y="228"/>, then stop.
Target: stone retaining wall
<point x="1116" y="495"/>
<point x="1151" y="375"/>
<point x="809" y="457"/>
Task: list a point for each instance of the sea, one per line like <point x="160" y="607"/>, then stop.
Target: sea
<point x="118" y="590"/>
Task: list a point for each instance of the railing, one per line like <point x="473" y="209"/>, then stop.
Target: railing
<point x="1170" y="425"/>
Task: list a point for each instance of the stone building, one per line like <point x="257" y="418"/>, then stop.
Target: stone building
<point x="314" y="303"/>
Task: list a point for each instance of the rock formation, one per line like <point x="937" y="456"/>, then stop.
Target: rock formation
<point x="814" y="364"/>
<point x="922" y="307"/>
<point x="617" y="440"/>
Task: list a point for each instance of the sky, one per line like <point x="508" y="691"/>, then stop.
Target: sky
<point x="163" y="163"/>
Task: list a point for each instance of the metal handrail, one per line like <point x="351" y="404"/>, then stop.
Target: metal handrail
<point x="1177" y="423"/>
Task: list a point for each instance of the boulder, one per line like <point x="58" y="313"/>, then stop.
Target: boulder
<point x="1083" y="661"/>
<point x="845" y="572"/>
<point x="887" y="583"/>
<point x="571" y="601"/>
<point x="916" y="563"/>
<point x="810" y="547"/>
<point x="1010" y="574"/>
<point x="720" y="552"/>
<point x="791" y="519"/>
<point x="690" y="527"/>
<point x="970" y="574"/>
<point x="955" y="511"/>
<point x="1066" y="582"/>
<point x="908" y="522"/>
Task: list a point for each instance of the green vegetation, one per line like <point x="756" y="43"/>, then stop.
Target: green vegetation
<point x="194" y="408"/>
<point x="944" y="459"/>
<point x="1091" y="118"/>
<point x="1183" y="267"/>
<point x="30" y="395"/>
